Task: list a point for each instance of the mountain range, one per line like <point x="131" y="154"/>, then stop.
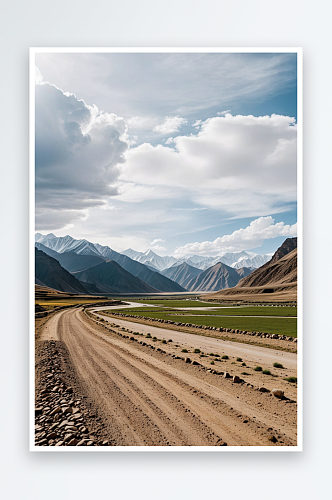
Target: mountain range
<point x="99" y="269"/>
<point x="277" y="279"/>
<point x="232" y="259"/>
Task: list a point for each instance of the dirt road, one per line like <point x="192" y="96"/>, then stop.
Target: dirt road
<point x="253" y="354"/>
<point x="148" y="397"/>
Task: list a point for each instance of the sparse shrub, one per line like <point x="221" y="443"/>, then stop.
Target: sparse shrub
<point x="197" y="351"/>
<point x="243" y="364"/>
<point x="224" y="356"/>
<point x="266" y="372"/>
<point x="216" y="359"/>
<point x="170" y="340"/>
<point x="245" y="373"/>
<point x="238" y="359"/>
<point x="277" y="365"/>
<point x="217" y="355"/>
<point x="293" y="380"/>
<point x="184" y="350"/>
<point x="164" y="341"/>
<point x="258" y="369"/>
<point x="212" y="363"/>
<point x="148" y="336"/>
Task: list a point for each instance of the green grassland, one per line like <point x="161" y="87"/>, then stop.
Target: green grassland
<point x="225" y="309"/>
<point x="281" y="326"/>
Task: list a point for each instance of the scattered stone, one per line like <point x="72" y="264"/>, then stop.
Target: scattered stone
<point x="227" y="375"/>
<point x="237" y="379"/>
<point x="278" y="393"/>
<point x="273" y="439"/>
<point x="263" y="389"/>
<point x="73" y="442"/>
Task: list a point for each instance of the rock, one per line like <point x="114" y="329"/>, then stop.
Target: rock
<point x="53" y="435"/>
<point x="263" y="389"/>
<point x="59" y="443"/>
<point x="237" y="379"/>
<point x="39" y="410"/>
<point x="73" y="442"/>
<point x="56" y="410"/>
<point x="273" y="439"/>
<point x="81" y="443"/>
<point x="68" y="437"/>
<point x="278" y="393"/>
<point x="104" y="443"/>
<point x="41" y="442"/>
<point x="188" y="360"/>
<point x="195" y="363"/>
<point x="227" y="375"/>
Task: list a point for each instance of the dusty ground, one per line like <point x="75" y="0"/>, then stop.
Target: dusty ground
<point x="147" y="395"/>
<point x="275" y="344"/>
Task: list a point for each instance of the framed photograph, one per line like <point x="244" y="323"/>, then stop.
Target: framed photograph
<point x="166" y="249"/>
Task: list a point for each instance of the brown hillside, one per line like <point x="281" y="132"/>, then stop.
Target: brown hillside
<point x="279" y="272"/>
<point x="274" y="281"/>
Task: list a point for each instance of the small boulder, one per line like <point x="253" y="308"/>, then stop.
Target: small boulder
<point x="278" y="393"/>
<point x="263" y="389"/>
<point x="236" y="379"/>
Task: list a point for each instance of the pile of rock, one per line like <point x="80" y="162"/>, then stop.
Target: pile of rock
<point x="213" y="328"/>
<point x="60" y="417"/>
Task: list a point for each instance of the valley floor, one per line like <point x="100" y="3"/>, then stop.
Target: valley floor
<point x="140" y="391"/>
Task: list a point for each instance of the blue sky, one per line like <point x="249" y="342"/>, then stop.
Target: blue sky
<point x="195" y="152"/>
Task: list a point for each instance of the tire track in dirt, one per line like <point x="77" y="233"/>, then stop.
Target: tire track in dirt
<point x="147" y="398"/>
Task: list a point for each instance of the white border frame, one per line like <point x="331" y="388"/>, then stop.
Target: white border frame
<point x="123" y="50"/>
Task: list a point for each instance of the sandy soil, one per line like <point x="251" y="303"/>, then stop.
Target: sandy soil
<point x="147" y="397"/>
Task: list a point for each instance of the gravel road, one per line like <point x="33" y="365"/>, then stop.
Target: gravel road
<point x="147" y="396"/>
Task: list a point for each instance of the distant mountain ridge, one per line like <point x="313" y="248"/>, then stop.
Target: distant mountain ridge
<point x="274" y="281"/>
<point x="84" y="249"/>
<point x="182" y="273"/>
<point x="215" y="278"/>
<point x="49" y="272"/>
<point x="232" y="259"/>
<point x="110" y="277"/>
<point x="282" y="268"/>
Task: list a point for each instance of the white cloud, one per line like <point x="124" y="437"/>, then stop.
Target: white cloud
<point x="222" y="113"/>
<point x="141" y="122"/>
<point x="78" y="150"/>
<point x="158" y="240"/>
<point x="197" y="123"/>
<point x="252" y="236"/>
<point x="170" y="125"/>
<point x="244" y="165"/>
<point x="158" y="248"/>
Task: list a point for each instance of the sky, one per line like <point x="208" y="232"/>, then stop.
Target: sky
<point x="183" y="153"/>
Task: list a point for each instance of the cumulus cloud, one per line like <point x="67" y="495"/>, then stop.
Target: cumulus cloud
<point x="170" y="125"/>
<point x="156" y="241"/>
<point x="252" y="236"/>
<point x="78" y="150"/>
<point x="233" y="163"/>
